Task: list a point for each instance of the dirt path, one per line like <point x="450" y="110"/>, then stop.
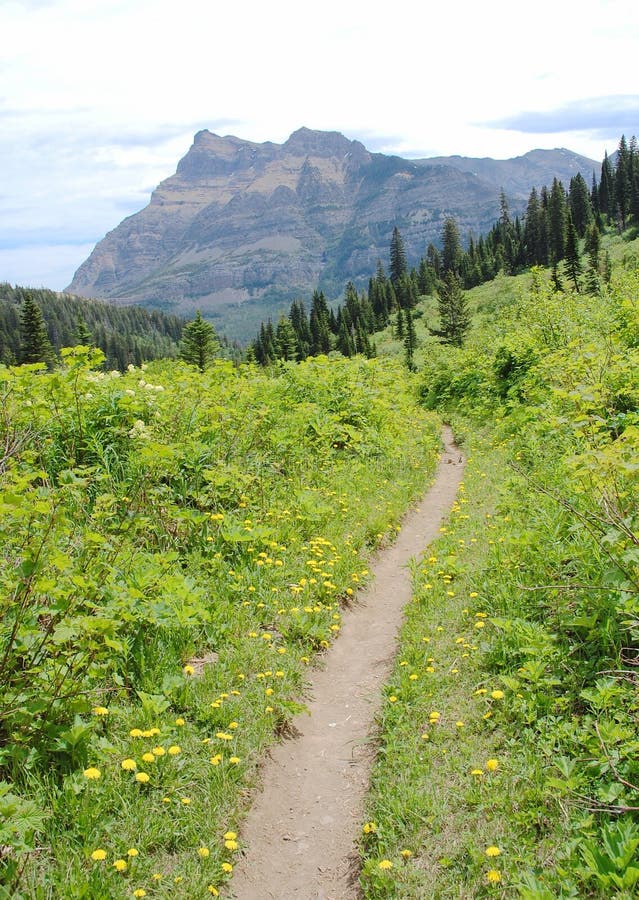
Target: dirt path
<point x="302" y="830"/>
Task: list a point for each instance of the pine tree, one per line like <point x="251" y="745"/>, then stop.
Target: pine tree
<point x="286" y="339"/>
<point x="35" y="345"/>
<point x="397" y="257"/>
<point x="557" y="211"/>
<point x="580" y="204"/>
<point x="199" y="342"/>
<point x="454" y="315"/>
<point x="82" y="333"/>
<point x="622" y="183"/>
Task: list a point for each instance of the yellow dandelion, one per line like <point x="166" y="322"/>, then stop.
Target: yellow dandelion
<point x="132" y="852"/>
<point x="369" y="828"/>
<point x="216" y="760"/>
<point x="157" y="876"/>
<point x="385" y="864"/>
<point x="231" y="845"/>
<point x="230" y="836"/>
<point x="392" y="699"/>
<point x="188" y="670"/>
<point x="120" y="865"/>
<point x="492" y="851"/>
<point x="226" y="867"/>
<point x="139" y="892"/>
<point x="407" y="854"/>
<point x="234" y="760"/>
<point x="99" y="855"/>
<point x="203" y="852"/>
<point x="492" y="765"/>
<point x="186" y="801"/>
<point x="100" y="711"/>
<point x="128" y="765"/>
<point x="174" y="749"/>
<point x="223" y="736"/>
<point x="166" y="799"/>
<point x="493" y="876"/>
<point x="477" y="772"/>
<point x="158" y="751"/>
<point x="180" y="722"/>
<point x="497" y="695"/>
<point x="136" y="732"/>
<point x="213" y="890"/>
<point x="92" y="773"/>
<point x="148" y="757"/>
<point x="142" y="777"/>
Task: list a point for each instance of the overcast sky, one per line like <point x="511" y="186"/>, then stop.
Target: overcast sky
<point x="99" y="99"/>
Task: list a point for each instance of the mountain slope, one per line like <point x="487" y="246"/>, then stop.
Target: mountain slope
<point x="243" y="221"/>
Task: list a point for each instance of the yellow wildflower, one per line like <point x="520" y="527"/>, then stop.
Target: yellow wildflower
<point x="385" y="864"/>
<point x="492" y="851"/>
<point x="203" y="852"/>
<point x="493" y="876"/>
<point x="120" y="865"/>
<point x="142" y="777"/>
<point x="99" y="855"/>
<point x="92" y="773"/>
<point x="128" y="765"/>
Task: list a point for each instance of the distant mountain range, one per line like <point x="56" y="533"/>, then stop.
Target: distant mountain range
<point x="242" y="228"/>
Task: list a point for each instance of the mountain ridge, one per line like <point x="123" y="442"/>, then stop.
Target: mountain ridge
<point x="243" y="222"/>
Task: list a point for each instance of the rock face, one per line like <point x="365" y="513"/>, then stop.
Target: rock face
<point x="268" y="222"/>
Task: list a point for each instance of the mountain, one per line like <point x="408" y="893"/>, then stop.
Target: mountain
<point x="242" y="228"/>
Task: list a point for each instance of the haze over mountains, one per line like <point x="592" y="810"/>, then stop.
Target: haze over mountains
<point x="256" y="225"/>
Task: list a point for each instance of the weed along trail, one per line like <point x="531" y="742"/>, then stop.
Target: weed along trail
<point x="301" y="832"/>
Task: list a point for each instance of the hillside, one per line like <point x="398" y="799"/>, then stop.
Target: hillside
<point x="255" y="225"/>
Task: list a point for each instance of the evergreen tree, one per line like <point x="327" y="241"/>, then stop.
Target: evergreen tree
<point x="286" y="340"/>
<point x="557" y="211"/>
<point x="451" y="247"/>
<point x="606" y="190"/>
<point x="399" y="324"/>
<point x="572" y="260"/>
<point x="82" y="333"/>
<point x="199" y="342"/>
<point x="397" y="257"/>
<point x="410" y="340"/>
<point x="454" y="315"/>
<point x="35" y="345"/>
<point x="580" y="204"/>
<point x="622" y="183"/>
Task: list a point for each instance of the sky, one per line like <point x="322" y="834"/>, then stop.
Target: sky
<point x="100" y="99"/>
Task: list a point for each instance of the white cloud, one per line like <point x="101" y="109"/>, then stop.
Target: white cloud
<point x="98" y="101"/>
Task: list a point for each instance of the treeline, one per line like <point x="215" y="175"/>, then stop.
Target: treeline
<point x="560" y="227"/>
<point x="36" y="323"/>
<point x="126" y="334"/>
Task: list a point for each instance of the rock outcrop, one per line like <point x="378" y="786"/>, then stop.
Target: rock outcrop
<point x="259" y="224"/>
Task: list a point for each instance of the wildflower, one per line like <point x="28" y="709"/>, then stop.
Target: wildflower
<point x="492" y="851"/>
<point x="100" y="711"/>
<point x="392" y="699"/>
<point x="148" y="757"/>
<point x="174" y="749"/>
<point x="385" y="864"/>
<point x="234" y="760"/>
<point x="120" y="865"/>
<point x="92" y="773"/>
<point x="132" y="852"/>
<point x="186" y="800"/>
<point x="227" y="867"/>
<point x="203" y="852"/>
<point x="223" y="736"/>
<point x="166" y="799"/>
<point x="157" y="751"/>
<point x="233" y="725"/>
<point x="231" y="845"/>
<point x="99" y="855"/>
<point x="369" y="828"/>
<point x="478" y="772"/>
<point x="180" y="722"/>
<point x="135" y="732"/>
<point x="216" y="760"/>
<point x="142" y="777"/>
<point x="230" y="836"/>
<point x="493" y="876"/>
<point x="213" y="890"/>
<point x="460" y="724"/>
<point x="407" y="854"/>
<point x="128" y="765"/>
<point x="188" y="670"/>
<point x="492" y="765"/>
<point x="497" y="695"/>
<point x="139" y="892"/>
<point x="157" y="876"/>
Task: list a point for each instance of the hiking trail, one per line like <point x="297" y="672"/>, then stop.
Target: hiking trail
<point x="301" y="832"/>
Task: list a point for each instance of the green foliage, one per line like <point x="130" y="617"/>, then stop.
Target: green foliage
<point x="174" y="543"/>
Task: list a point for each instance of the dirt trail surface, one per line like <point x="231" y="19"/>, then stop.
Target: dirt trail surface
<point x="301" y="832"/>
